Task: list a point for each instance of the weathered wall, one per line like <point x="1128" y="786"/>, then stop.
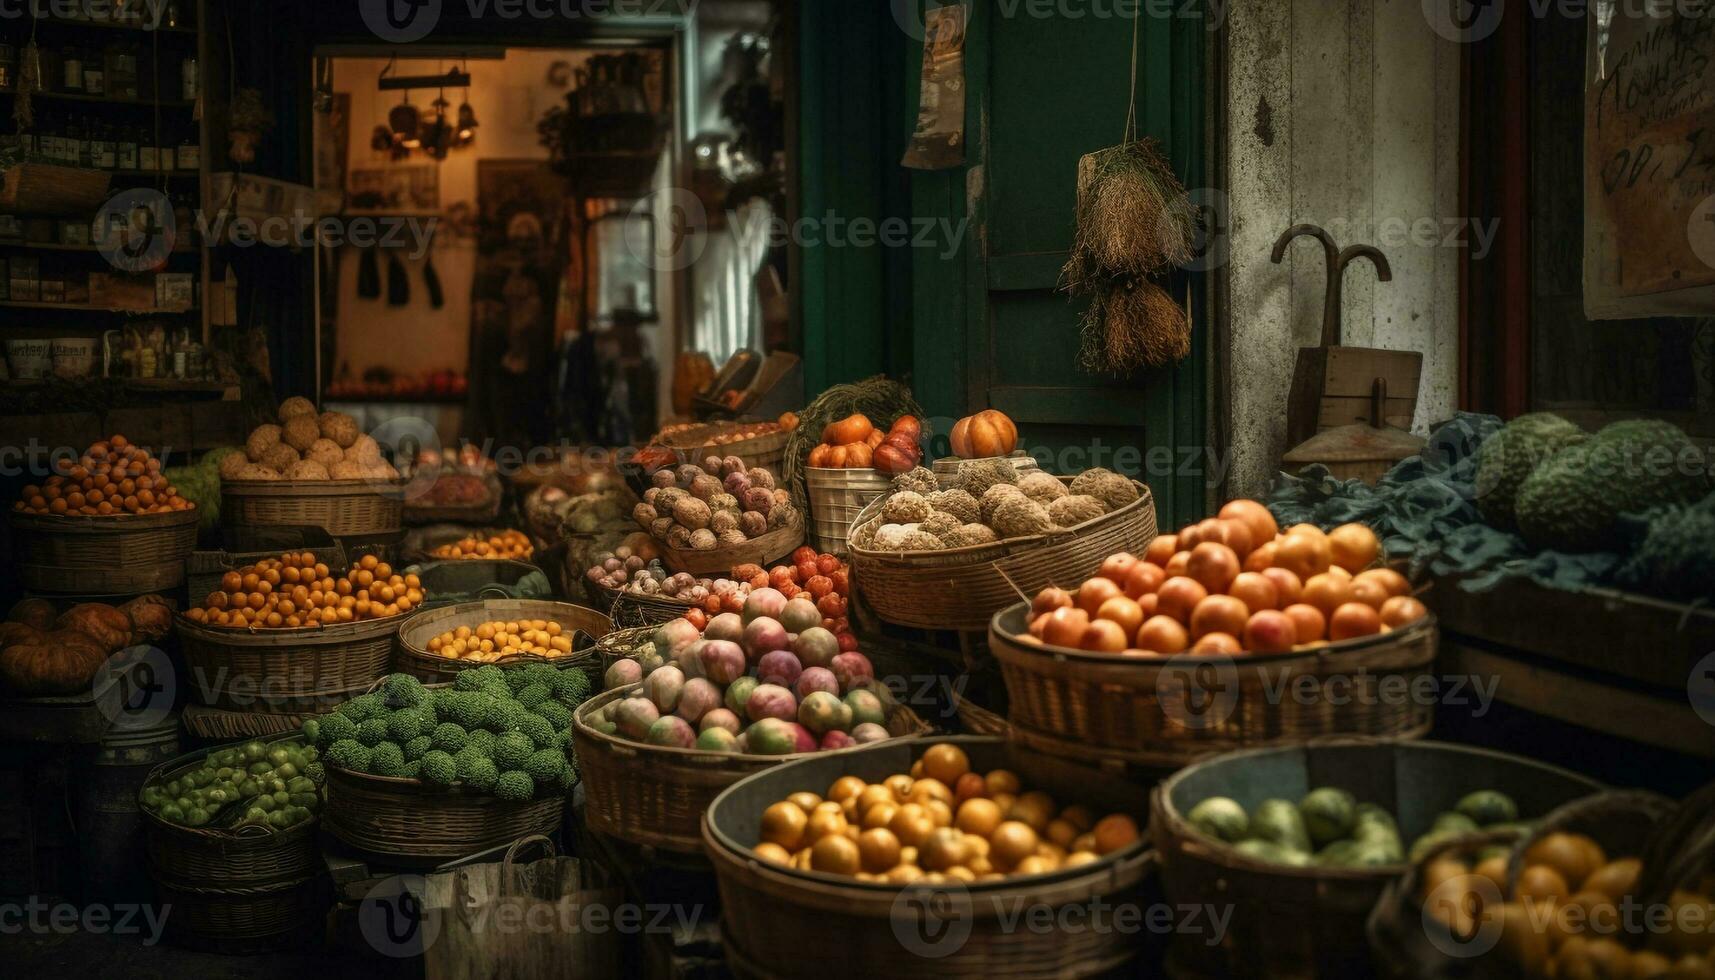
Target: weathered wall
<point x="1342" y="113"/>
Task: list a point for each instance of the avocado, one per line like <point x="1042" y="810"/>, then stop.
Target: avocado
<point x="1221" y="818"/>
<point x="1487" y="806"/>
<point x="1280" y="822"/>
<point x="1329" y="814"/>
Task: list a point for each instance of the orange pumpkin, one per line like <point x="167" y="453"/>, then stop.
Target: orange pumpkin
<point x="987" y="433"/>
<point x="819" y="456"/>
<point x="107" y="626"/>
<point x="859" y="455"/>
<point x="60" y="662"/>
<point x="852" y="428"/>
<point x="875" y="437"/>
<point x="836" y="457"/>
<point x="892" y="459"/>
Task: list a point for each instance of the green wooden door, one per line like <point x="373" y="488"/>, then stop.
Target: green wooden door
<point x="990" y="330"/>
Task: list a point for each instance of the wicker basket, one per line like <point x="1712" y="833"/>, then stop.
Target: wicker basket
<point x="204" y="858"/>
<point x="220" y="725"/>
<point x="49" y="188"/>
<point x="614" y="646"/>
<point x="1305" y="921"/>
<point x="655" y="796"/>
<point x="694" y="445"/>
<point x="285" y="670"/>
<point x="1407" y="943"/>
<point x="961" y="588"/>
<point x="420" y="511"/>
<point x="841" y="927"/>
<point x="763" y="550"/>
<point x="413" y="655"/>
<point x="837" y="497"/>
<point x="248" y="920"/>
<point x="1164" y="712"/>
<point x="127" y="555"/>
<point x="346" y="508"/>
<point x="629" y="609"/>
<point x="946" y="469"/>
<point x="408" y="822"/>
<point x="975" y="719"/>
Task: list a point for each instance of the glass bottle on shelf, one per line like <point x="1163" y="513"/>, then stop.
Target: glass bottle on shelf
<point x="126" y="149"/>
<point x="76" y="152"/>
<point x="189" y="153"/>
<point x="101" y="150"/>
<point x="94" y="75"/>
<point x="71" y="70"/>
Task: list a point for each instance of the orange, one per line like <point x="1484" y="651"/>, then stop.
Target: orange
<point x="1096" y="591"/>
<point x="1105" y="636"/>
<point x="783" y="824"/>
<point x="978" y="816"/>
<point x="1143" y="579"/>
<point x="1162" y="634"/>
<point x="1353" y="619"/>
<point x="1353" y="547"/>
<point x="1221" y="643"/>
<point x="1011" y="842"/>
<point x="1237" y="536"/>
<point x="1369" y="592"/>
<point x="1573" y="856"/>
<point x="1161" y="549"/>
<point x="1260" y="558"/>
<point x="1310" y="624"/>
<point x="1539" y="883"/>
<point x="1270" y="631"/>
<point x="1213" y="565"/>
<point x="835" y="854"/>
<point x="1114" y="832"/>
<point x="1255" y="516"/>
<point x="1392" y="581"/>
<point x="1177" y="564"/>
<point x="1124" y="611"/>
<point x="1178" y="596"/>
<point x="1219" y="614"/>
<point x="1616" y="879"/>
<point x="1326" y="592"/>
<point x="1255" y="590"/>
<point x="945" y="763"/>
<point x="1304" y="554"/>
<point x="1402" y="610"/>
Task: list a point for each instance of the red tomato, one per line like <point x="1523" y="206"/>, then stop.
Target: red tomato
<point x="696" y="617"/>
<point x="804" y="571"/>
<point x="848" y="641"/>
<point x="779" y="575"/>
<point x="827" y="564"/>
<point x="818" y="586"/>
<point x="842" y="581"/>
<point x="803" y="554"/>
<point x="832" y="604"/>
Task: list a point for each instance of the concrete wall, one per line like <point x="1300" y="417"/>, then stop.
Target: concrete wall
<point x="1342" y="113"/>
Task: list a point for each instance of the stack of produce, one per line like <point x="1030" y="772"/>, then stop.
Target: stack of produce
<point x="1330" y="828"/>
<point x="297" y="590"/>
<point x="495" y="731"/>
<point x="113" y="478"/>
<point x="939" y="822"/>
<point x="988" y="502"/>
<point x="44" y="653"/>
<point x="496" y="639"/>
<point x="767" y="681"/>
<point x="854" y="442"/>
<point x="275" y="786"/>
<point x="307" y="446"/>
<point x="879" y="399"/>
<point x="823" y="578"/>
<point x="986" y="434"/>
<point x="718" y="504"/>
<point x="1208" y="589"/>
<point x="502" y="544"/>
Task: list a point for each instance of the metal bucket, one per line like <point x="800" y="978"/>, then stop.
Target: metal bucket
<point x="109" y="826"/>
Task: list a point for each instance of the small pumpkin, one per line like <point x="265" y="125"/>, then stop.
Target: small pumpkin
<point x="858" y="455"/>
<point x="836" y="458"/>
<point x="875" y="438"/>
<point x="819" y="456"/>
<point x="987" y="433"/>
<point x="907" y="425"/>
<point x="107" y="626"/>
<point x="151" y="618"/>
<point x="39" y="613"/>
<point x="60" y="662"/>
<point x="11" y="633"/>
<point x="853" y="428"/>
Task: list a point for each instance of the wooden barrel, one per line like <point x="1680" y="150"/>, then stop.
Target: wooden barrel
<point x="837" y="497"/>
<point x="109" y="822"/>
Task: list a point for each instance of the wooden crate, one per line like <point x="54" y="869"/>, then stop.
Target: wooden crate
<point x="1331" y="387"/>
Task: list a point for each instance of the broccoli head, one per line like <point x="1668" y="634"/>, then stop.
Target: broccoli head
<point x="349" y="754"/>
<point x="386" y="760"/>
<point x="403" y="691"/>
<point x="336" y="727"/>
<point x="372" y="731"/>
<point x="533" y="695"/>
<point x="418" y="747"/>
<point x="512" y="750"/>
<point x="545" y="765"/>
<point x="438" y="768"/>
<point x="448" y="737"/>
<point x="515" y="786"/>
<point x="480" y="775"/>
<point x="404" y="725"/>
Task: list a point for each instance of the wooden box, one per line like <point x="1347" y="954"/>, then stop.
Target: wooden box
<point x="1331" y="387"/>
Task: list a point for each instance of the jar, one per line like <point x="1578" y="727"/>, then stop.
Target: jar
<point x="188" y="78"/>
<point x="71" y="71"/>
<point x="94" y="79"/>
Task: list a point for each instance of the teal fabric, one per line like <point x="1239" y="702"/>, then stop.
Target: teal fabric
<point x="1423" y="509"/>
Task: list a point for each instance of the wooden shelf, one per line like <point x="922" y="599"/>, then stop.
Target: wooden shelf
<point x="63" y="247"/>
<point x="423" y="399"/>
<point x="103" y="25"/>
<point x="19" y="304"/>
<point x="174" y="173"/>
<point x="105" y="99"/>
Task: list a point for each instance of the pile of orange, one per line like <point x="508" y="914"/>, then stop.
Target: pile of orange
<point x="506" y="544"/>
<point x="113" y="478"/>
<point x="1231" y="584"/>
<point x="496" y="639"/>
<point x="939" y="822"/>
<point x="296" y="590"/>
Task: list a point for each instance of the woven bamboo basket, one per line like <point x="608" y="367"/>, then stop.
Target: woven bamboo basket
<point x="763" y="550"/>
<point x="694" y="445"/>
<point x="837" y="497"/>
<point x="406" y="821"/>
<point x="50" y="188"/>
<point x="1411" y="940"/>
<point x="421" y="511"/>
<point x="962" y="588"/>
<point x="221" y="725"/>
<point x="842" y="927"/>
<point x="975" y="719"/>
<point x="946" y="469"/>
<point x="655" y="796"/>
<point x="413" y="654"/>
<point x="127" y="555"/>
<point x="1305" y="921"/>
<point x="628" y="609"/>
<point x="205" y="858"/>
<point x="1164" y="712"/>
<point x="284" y="670"/>
<point x="345" y="507"/>
<point x="614" y="646"/>
<point x="247" y="920"/>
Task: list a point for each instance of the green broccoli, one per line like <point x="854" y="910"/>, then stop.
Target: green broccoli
<point x="467" y="680"/>
<point x="386" y="760"/>
<point x="556" y="714"/>
<point x="336" y="728"/>
<point x="372" y="732"/>
<point x="515" y="786"/>
<point x="470" y="708"/>
<point x="512" y="750"/>
<point x="571" y="687"/>
<point x="362" y="707"/>
<point x="545" y="765"/>
<point x="482" y="740"/>
<point x="442" y="698"/>
<point x="540" y="674"/>
<point x="349" y="754"/>
<point x="403" y="691"/>
<point x="465" y="756"/>
<point x="413" y="769"/>
<point x="418" y="747"/>
<point x="317" y="773"/>
<point x="489" y="673"/>
<point x="537" y="729"/>
<point x="404" y="725"/>
<point x="533" y="695"/>
<point x="480" y="775"/>
<point x="438" y="768"/>
<point x="448" y="737"/>
<point x="1672" y="552"/>
<point x="568" y="778"/>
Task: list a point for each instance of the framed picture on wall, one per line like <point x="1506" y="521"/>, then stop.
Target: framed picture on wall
<point x="415" y="187"/>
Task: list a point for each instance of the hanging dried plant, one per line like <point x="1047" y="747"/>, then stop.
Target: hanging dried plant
<point x="29" y="81"/>
<point x="1131" y="325"/>
<point x="1133" y="215"/>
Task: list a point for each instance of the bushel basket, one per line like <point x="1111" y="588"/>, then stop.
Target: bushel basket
<point x="410" y="823"/>
<point x="308" y="668"/>
<point x="962" y="588"/>
<point x="842" y="927"/>
<point x="837" y="497"/>
<point x="415" y="658"/>
<point x="692" y="445"/>
<point x="128" y="555"/>
<point x="655" y="796"/>
<point x="346" y="508"/>
<point x="1308" y="921"/>
<point x="762" y="550"/>
<point x="1165" y="711"/>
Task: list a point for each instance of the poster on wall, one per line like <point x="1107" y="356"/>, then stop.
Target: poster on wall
<point x="416" y="187"/>
<point x="1649" y="162"/>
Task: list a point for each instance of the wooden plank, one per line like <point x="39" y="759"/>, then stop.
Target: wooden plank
<point x="1351" y="370"/>
<point x="1652" y="720"/>
<point x="1337" y="410"/>
<point x="1025" y="270"/>
<point x="1072" y="406"/>
<point x="1583" y="629"/>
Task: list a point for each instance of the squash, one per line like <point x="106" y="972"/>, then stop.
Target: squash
<point x="11" y="633"/>
<point x="107" y="626"/>
<point x="987" y="433"/>
<point x="151" y="618"/>
<point x="836" y="458"/>
<point x="852" y="428"/>
<point x="892" y="459"/>
<point x="60" y="662"/>
<point x="858" y="455"/>
<point x="875" y="437"/>
<point x="819" y="456"/>
<point x="39" y="613"/>
<point x="908" y="426"/>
